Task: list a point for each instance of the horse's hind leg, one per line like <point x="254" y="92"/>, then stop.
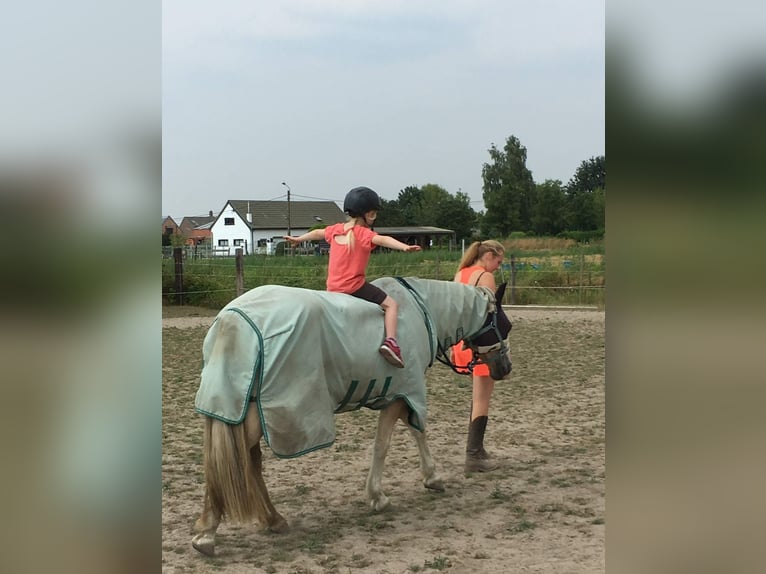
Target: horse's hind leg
<point x="386" y="419"/>
<point x="266" y="512"/>
<point x="274" y="521"/>
<point x="207" y="523"/>
<point x="206" y="526"/>
<point x="427" y="467"/>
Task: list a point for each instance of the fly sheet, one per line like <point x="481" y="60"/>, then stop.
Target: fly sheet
<point x="303" y="356"/>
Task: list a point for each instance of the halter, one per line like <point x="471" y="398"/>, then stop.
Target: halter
<point x="491" y="350"/>
<point x="441" y="353"/>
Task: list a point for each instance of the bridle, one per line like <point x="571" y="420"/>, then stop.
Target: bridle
<point x="481" y="354"/>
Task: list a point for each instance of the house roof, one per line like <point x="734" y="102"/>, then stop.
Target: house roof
<point x="196" y="222"/>
<point x="273" y="214"/>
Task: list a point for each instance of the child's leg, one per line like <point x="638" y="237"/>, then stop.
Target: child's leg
<point x="390" y="310"/>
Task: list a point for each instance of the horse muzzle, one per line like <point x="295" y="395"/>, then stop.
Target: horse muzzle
<point x="498" y="359"/>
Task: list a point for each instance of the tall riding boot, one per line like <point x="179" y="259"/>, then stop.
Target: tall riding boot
<point x="476" y="458"/>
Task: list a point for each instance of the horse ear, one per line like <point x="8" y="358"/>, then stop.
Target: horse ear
<point x="500" y="293"/>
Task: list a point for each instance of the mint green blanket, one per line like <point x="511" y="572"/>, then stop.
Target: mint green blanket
<point x="303" y="356"/>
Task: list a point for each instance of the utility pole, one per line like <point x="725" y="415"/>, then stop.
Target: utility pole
<point x="289" y="227"/>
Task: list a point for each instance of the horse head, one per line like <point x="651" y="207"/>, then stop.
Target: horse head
<point x="489" y="343"/>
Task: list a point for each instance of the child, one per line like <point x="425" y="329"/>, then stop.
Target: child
<point x="350" y="247"/>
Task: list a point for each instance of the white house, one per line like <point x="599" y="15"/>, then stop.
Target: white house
<point x="256" y="226"/>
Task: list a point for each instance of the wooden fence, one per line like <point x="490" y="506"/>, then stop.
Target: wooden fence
<point x="531" y="280"/>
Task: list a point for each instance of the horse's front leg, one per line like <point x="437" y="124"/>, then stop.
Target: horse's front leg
<point x="386" y="420"/>
<point x="427" y="467"/>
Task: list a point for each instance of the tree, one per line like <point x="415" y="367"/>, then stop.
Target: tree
<point x="589" y="176"/>
<point x="448" y="211"/>
<point x="585" y="195"/>
<point x="430" y="205"/>
<point x="509" y="190"/>
<point x="411" y="202"/>
<point x="390" y="215"/>
<point x="549" y="209"/>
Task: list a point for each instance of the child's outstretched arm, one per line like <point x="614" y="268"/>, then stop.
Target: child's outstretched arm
<point x="315" y="235"/>
<point x="395" y="244"/>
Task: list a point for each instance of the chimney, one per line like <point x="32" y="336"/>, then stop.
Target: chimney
<point x="211" y="213"/>
<point x="249" y="215"/>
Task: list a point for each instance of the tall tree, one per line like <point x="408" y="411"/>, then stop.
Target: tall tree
<point x="390" y="215"/>
<point x="448" y="211"/>
<point x="585" y="195"/>
<point x="589" y="176"/>
<point x="431" y="205"/>
<point x="411" y="202"/>
<point x="549" y="209"/>
<point x="508" y="190"/>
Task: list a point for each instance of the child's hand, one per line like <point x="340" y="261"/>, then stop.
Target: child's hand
<point x="290" y="239"/>
<point x="413" y="248"/>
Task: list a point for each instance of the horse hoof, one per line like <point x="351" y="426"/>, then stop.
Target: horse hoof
<point x="379" y="504"/>
<point x="435" y="484"/>
<point x="205" y="544"/>
<point x="279" y="525"/>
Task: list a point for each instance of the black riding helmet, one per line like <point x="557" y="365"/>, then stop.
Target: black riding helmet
<point x="360" y="200"/>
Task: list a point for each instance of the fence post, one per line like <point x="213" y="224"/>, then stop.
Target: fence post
<point x="178" y="257"/>
<point x="513" y="279"/>
<point x="240" y="272"/>
<point x="582" y="265"/>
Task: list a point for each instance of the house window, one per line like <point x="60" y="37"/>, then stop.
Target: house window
<point x="238" y="242"/>
<point x="223" y="243"/>
<point x="228" y="221"/>
<point x="168" y="231"/>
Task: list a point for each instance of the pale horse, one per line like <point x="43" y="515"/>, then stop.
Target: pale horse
<point x="280" y="362"/>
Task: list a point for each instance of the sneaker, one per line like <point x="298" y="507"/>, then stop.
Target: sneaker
<point x="391" y="352"/>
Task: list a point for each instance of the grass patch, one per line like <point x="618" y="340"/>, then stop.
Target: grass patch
<point x="438" y="563"/>
<point x="521" y="526"/>
<point x="302" y="489"/>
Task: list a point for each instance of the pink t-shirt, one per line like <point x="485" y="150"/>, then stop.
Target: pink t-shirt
<point x="345" y="272"/>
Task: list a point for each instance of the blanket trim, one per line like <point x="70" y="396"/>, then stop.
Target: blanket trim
<point x="257" y="375"/>
<point x="426" y="316"/>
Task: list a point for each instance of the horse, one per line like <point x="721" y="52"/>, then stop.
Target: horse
<point x="280" y="362"/>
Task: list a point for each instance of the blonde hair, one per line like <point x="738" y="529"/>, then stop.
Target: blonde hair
<point x="476" y="251"/>
<point x="350" y="239"/>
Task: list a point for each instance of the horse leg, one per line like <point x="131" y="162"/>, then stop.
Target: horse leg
<point x="206" y="526"/>
<point x="207" y="523"/>
<point x="427" y="467"/>
<point x="273" y="521"/>
<point x="386" y="419"/>
<point x="234" y="483"/>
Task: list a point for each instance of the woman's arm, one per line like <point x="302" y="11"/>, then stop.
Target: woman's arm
<point x="487" y="279"/>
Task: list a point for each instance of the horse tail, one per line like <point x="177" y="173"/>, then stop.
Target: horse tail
<point x="232" y="477"/>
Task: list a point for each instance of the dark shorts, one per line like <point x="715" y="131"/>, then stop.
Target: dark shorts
<point x="369" y="292"/>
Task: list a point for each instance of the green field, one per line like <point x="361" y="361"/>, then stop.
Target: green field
<point x="548" y="271"/>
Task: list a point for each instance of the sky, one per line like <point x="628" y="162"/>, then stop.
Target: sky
<point x="327" y="95"/>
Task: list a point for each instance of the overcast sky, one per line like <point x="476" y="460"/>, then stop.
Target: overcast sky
<point x="327" y="95"/>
